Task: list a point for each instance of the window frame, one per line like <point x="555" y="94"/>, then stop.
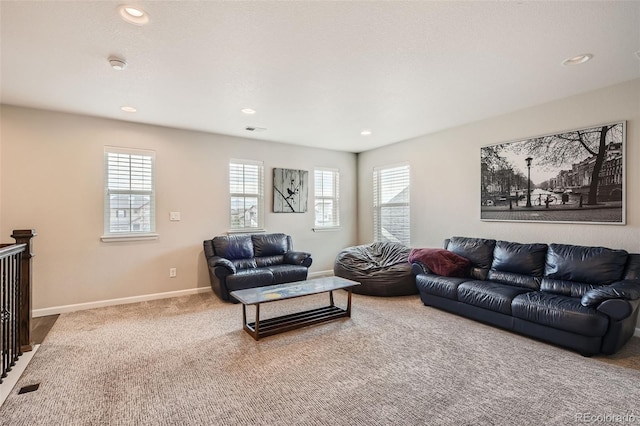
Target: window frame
<point x="334" y="197"/>
<point x="130" y="235"/>
<point x="378" y="205"/>
<point x="259" y="195"/>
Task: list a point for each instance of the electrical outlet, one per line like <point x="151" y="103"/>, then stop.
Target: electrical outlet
<point x="173" y="272"/>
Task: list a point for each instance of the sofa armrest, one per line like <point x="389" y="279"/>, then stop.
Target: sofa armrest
<point x="418" y="268"/>
<point x="217" y="261"/>
<point x="626" y="290"/>
<point x="617" y="309"/>
<point x="298" y="258"/>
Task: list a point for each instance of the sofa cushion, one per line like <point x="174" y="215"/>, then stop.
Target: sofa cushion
<point x="441" y="261"/>
<point x="439" y="285"/>
<point x="489" y="295"/>
<point x="566" y="288"/>
<point x="270" y="244"/>
<point x="478" y="250"/>
<point x="233" y="247"/>
<point x="518" y="280"/>
<point x="525" y="259"/>
<point x="249" y="278"/>
<point x="591" y="265"/>
<point x="270" y="260"/>
<point x="561" y="312"/>
<point x="244" y="263"/>
<point x="288" y="273"/>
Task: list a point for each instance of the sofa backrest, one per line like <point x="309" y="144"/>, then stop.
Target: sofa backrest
<point x="479" y="251"/>
<point x="233" y="247"/>
<point x="556" y="268"/>
<point x="632" y="270"/>
<point x="573" y="270"/>
<point x="271" y="244"/>
<point x="521" y="265"/>
<point x="250" y="251"/>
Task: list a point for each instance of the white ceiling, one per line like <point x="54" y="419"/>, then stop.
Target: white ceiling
<point x="317" y="72"/>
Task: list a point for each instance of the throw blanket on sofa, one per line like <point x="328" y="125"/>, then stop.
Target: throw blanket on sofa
<point x="442" y="262"/>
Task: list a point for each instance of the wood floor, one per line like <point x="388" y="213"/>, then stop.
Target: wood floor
<point x="40" y="327"/>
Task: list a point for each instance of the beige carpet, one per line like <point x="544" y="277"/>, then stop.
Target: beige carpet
<point x="186" y="361"/>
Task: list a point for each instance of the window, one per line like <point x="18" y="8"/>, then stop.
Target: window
<point x="391" y="204"/>
<point x="327" y="207"/>
<point x="129" y="201"/>
<point x="246" y="190"/>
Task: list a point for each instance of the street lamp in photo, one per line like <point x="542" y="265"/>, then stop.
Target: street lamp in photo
<point x="528" y="160"/>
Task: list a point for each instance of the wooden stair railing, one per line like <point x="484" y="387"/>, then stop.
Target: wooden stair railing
<point x="15" y="299"/>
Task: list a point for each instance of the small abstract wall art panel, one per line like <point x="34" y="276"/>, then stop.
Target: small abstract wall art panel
<point x="576" y="176"/>
<point x="290" y="190"/>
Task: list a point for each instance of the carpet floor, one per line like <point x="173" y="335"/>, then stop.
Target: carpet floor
<point x="187" y="361"/>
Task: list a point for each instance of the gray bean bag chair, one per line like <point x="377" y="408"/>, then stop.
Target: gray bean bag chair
<point x="382" y="269"/>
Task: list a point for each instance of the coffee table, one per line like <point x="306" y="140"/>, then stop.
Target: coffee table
<point x="258" y="295"/>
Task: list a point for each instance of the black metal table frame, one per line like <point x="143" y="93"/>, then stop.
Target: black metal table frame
<point x="271" y="326"/>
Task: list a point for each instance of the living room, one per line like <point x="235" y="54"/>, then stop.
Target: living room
<point x="52" y="180"/>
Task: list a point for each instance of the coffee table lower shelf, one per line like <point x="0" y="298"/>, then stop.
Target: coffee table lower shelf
<point x="294" y="321"/>
<point x="260" y="295"/>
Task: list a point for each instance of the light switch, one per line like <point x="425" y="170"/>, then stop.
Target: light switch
<point x="174" y="216"/>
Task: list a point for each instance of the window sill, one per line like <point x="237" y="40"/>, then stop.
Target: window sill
<point x="326" y="228"/>
<point x="128" y="237"/>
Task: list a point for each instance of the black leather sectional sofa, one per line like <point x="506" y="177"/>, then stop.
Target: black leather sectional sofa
<point x="580" y="297"/>
<point x="237" y="262"/>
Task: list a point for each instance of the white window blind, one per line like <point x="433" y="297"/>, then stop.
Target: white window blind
<point x="129" y="192"/>
<point x="327" y="198"/>
<point x="391" y="204"/>
<point x="246" y="190"/>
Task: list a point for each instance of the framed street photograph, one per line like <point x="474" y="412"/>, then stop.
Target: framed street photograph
<point x="577" y="176"/>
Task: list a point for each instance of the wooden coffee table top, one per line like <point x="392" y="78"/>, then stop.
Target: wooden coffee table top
<point x="271" y="293"/>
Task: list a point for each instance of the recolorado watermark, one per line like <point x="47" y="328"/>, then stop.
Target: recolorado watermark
<point x="624" y="418"/>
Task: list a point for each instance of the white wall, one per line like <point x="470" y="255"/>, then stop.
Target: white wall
<point x="52" y="181"/>
<point x="445" y="173"/>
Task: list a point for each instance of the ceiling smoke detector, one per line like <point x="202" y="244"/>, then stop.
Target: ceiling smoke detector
<point x="117" y="63"/>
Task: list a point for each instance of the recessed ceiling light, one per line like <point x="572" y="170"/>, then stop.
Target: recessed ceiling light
<point x="365" y="132"/>
<point x="133" y="15"/>
<point x="128" y="109"/>
<point x="578" y="59"/>
<point x="248" y="111"/>
<point x="117" y="63"/>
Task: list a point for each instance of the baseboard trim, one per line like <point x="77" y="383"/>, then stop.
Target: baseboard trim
<point x="54" y="310"/>
<point x="12" y="377"/>
<point x="327" y="273"/>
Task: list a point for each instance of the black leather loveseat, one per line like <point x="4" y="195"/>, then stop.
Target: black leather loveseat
<point x="237" y="262"/>
<point x="583" y="298"/>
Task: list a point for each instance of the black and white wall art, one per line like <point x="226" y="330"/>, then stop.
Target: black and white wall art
<point x="290" y="190"/>
<point x="575" y="176"/>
